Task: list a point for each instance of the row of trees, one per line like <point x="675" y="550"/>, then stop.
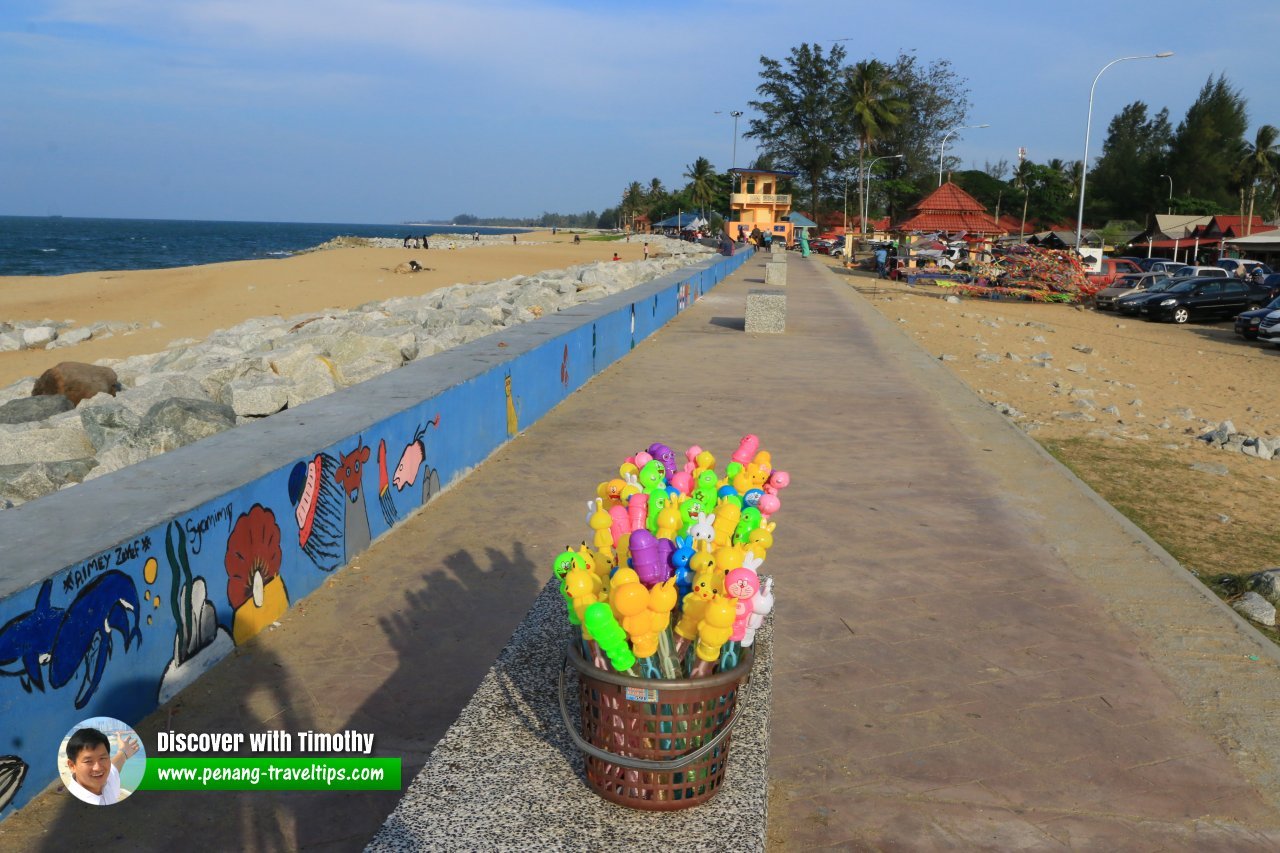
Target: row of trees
<point x="826" y="119"/>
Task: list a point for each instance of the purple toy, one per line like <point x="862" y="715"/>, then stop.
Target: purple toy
<point x="645" y="558"/>
<point x="666" y="456"/>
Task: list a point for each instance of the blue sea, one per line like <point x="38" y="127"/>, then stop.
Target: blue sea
<point x="53" y="245"/>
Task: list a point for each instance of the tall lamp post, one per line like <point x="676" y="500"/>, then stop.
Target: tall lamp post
<point x="943" y="145"/>
<point x="1169" y="209"/>
<point x="1084" y="164"/>
<point x="866" y="197"/>
<point x="737" y="114"/>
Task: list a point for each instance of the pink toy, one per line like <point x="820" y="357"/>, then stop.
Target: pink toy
<point x="768" y="505"/>
<point x="746" y="449"/>
<point x="741" y="584"/>
<point x="692" y="455"/>
<point x="682" y="482"/>
<point x="621" y="524"/>
<point x="638" y="511"/>
<point x="778" y="480"/>
<point x="642" y="458"/>
<point x="761" y="606"/>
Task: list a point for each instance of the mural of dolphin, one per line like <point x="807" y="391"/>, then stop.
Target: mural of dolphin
<point x="109" y="603"/>
<point x="28" y="639"/>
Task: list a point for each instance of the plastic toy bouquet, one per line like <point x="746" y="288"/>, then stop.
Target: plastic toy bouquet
<point x="669" y="586"/>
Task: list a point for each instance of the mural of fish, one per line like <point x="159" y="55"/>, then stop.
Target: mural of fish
<point x="71" y="641"/>
<point x="12" y="771"/>
<point x="83" y="645"/>
<point x="319" y="509"/>
<point x="25" y="640"/>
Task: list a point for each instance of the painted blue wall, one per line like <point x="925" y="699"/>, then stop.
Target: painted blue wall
<point x="211" y="543"/>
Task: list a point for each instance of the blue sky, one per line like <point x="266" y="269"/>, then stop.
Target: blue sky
<point x="392" y="110"/>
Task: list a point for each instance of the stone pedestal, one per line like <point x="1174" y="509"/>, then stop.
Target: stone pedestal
<point x="775" y="274"/>
<point x="766" y="311"/>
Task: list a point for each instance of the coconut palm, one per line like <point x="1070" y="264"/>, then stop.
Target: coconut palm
<point x="874" y="102"/>
<point x="1260" y="164"/>
<point x="1022" y="179"/>
<point x="633" y="201"/>
<point x="702" y="183"/>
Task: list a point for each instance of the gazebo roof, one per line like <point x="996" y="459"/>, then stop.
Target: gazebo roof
<point x="951" y="209"/>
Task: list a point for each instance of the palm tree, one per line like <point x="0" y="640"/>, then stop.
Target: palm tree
<point x="702" y="183"/>
<point x="874" y="102"/>
<point x="1260" y="164"/>
<point x="1022" y="178"/>
<point x="632" y="201"/>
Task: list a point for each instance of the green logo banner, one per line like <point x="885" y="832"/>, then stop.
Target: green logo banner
<point x="271" y="774"/>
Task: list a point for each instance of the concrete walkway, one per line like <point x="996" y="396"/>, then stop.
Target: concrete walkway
<point x="972" y="652"/>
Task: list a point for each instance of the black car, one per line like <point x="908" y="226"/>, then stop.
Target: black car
<point x="1247" y="323"/>
<point x="1132" y="304"/>
<point x="1199" y="298"/>
<point x="1261" y="293"/>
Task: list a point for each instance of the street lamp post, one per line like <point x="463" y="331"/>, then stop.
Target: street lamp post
<point x="1084" y="164"/>
<point x="1169" y="209"/>
<point x="737" y="114"/>
<point x="943" y="145"/>
<point x="866" y="197"/>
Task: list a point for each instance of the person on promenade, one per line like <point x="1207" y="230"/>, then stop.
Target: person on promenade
<point x="882" y="257"/>
<point x="754" y="237"/>
<point x="95" y="775"/>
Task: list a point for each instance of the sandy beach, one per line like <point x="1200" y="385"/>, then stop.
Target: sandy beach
<point x="191" y="302"/>
<point x="1122" y="402"/>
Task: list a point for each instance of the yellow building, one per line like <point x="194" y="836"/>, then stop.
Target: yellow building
<point x="754" y="202"/>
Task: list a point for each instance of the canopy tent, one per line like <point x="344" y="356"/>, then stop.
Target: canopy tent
<point x="681" y="221"/>
<point x="799" y="220"/>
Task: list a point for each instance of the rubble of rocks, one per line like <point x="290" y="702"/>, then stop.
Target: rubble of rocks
<point x="267" y="364"/>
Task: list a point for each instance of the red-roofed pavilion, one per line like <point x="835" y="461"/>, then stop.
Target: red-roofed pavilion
<point x="951" y="210"/>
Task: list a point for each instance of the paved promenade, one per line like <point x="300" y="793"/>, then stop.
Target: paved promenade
<point x="972" y="652"/>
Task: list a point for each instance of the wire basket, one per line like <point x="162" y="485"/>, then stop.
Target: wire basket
<point x="654" y="744"/>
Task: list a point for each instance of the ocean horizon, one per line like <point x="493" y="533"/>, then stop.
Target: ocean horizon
<point x="60" y="245"/>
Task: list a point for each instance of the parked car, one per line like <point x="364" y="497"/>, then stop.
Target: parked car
<point x="1162" y="265"/>
<point x="1263" y="292"/>
<point x="1269" y="329"/>
<point x="1247" y="322"/>
<point x="1111" y="269"/>
<point x="1105" y="299"/>
<point x="1198" y="298"/>
<point x="1132" y="304"/>
<point x="1233" y="265"/>
<point x="1199" y="272"/>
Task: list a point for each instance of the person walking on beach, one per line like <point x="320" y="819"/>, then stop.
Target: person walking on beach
<point x="476" y="237"/>
<point x="513" y="239"/>
<point x="646" y="251"/>
<point x="424" y="242"/>
<point x="577" y="239"/>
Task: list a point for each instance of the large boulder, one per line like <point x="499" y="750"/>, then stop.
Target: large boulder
<point x="10" y="341"/>
<point x="23" y="444"/>
<point x="153" y="388"/>
<point x="109" y="424"/>
<point x="77" y="381"/>
<point x="256" y="396"/>
<point x="28" y="409"/>
<point x="31" y="481"/>
<point x="179" y="421"/>
<point x="37" y="337"/>
<point x="311" y="378"/>
<point x="117" y="457"/>
<point x="71" y="338"/>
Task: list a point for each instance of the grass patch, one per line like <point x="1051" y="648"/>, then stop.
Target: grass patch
<point x="1178" y="507"/>
<point x="604" y="238"/>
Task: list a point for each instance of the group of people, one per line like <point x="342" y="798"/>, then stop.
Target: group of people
<point x="416" y="242"/>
